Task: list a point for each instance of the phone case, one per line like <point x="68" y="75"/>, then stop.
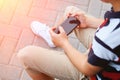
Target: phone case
<point x="69" y="25"/>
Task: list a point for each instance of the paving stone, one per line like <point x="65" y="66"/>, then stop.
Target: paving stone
<point x="39" y="3"/>
<point x="1" y="3"/>
<point x="5" y="18"/>
<point x="106" y="6"/>
<point x="80" y="2"/>
<point x="26" y="38"/>
<point x="102" y="13"/>
<point x="25" y="76"/>
<point x="36" y="3"/>
<point x="1" y="38"/>
<point x="8" y="72"/>
<point x="7" y="10"/>
<point x="72" y="35"/>
<point x="15" y="61"/>
<point x="74" y="42"/>
<point x="23" y="7"/>
<point x="43" y="13"/>
<point x="21" y="21"/>
<point x="38" y="41"/>
<point x="95" y="8"/>
<point x="59" y="15"/>
<point x="84" y="8"/>
<point x="81" y="47"/>
<point x="6" y="49"/>
<point x="57" y="5"/>
<point x="48" y="22"/>
<point x="9" y="31"/>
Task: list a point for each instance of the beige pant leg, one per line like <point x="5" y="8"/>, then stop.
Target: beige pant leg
<point x="53" y="63"/>
<point x="84" y="35"/>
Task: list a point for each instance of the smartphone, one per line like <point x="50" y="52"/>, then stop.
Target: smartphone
<point x="69" y="25"/>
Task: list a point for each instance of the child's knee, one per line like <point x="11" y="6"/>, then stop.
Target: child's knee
<point x="24" y="53"/>
<point x="73" y="9"/>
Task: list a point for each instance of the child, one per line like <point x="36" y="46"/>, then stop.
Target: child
<point x="102" y="61"/>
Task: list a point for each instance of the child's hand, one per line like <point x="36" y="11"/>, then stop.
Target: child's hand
<point x="81" y="17"/>
<point x="58" y="39"/>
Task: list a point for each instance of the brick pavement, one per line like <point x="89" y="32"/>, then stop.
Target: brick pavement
<point x="15" y="19"/>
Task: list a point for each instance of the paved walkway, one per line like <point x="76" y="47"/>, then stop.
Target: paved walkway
<point x="15" y="19"/>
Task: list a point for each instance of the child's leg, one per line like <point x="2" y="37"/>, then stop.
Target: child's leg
<point x="85" y="36"/>
<point x="45" y="64"/>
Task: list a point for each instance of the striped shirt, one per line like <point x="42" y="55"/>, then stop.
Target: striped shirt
<point x="105" y="51"/>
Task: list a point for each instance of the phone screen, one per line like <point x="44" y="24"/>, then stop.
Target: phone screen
<point x="69" y="25"/>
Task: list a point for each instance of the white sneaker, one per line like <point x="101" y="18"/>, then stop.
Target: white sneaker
<point x="42" y="30"/>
